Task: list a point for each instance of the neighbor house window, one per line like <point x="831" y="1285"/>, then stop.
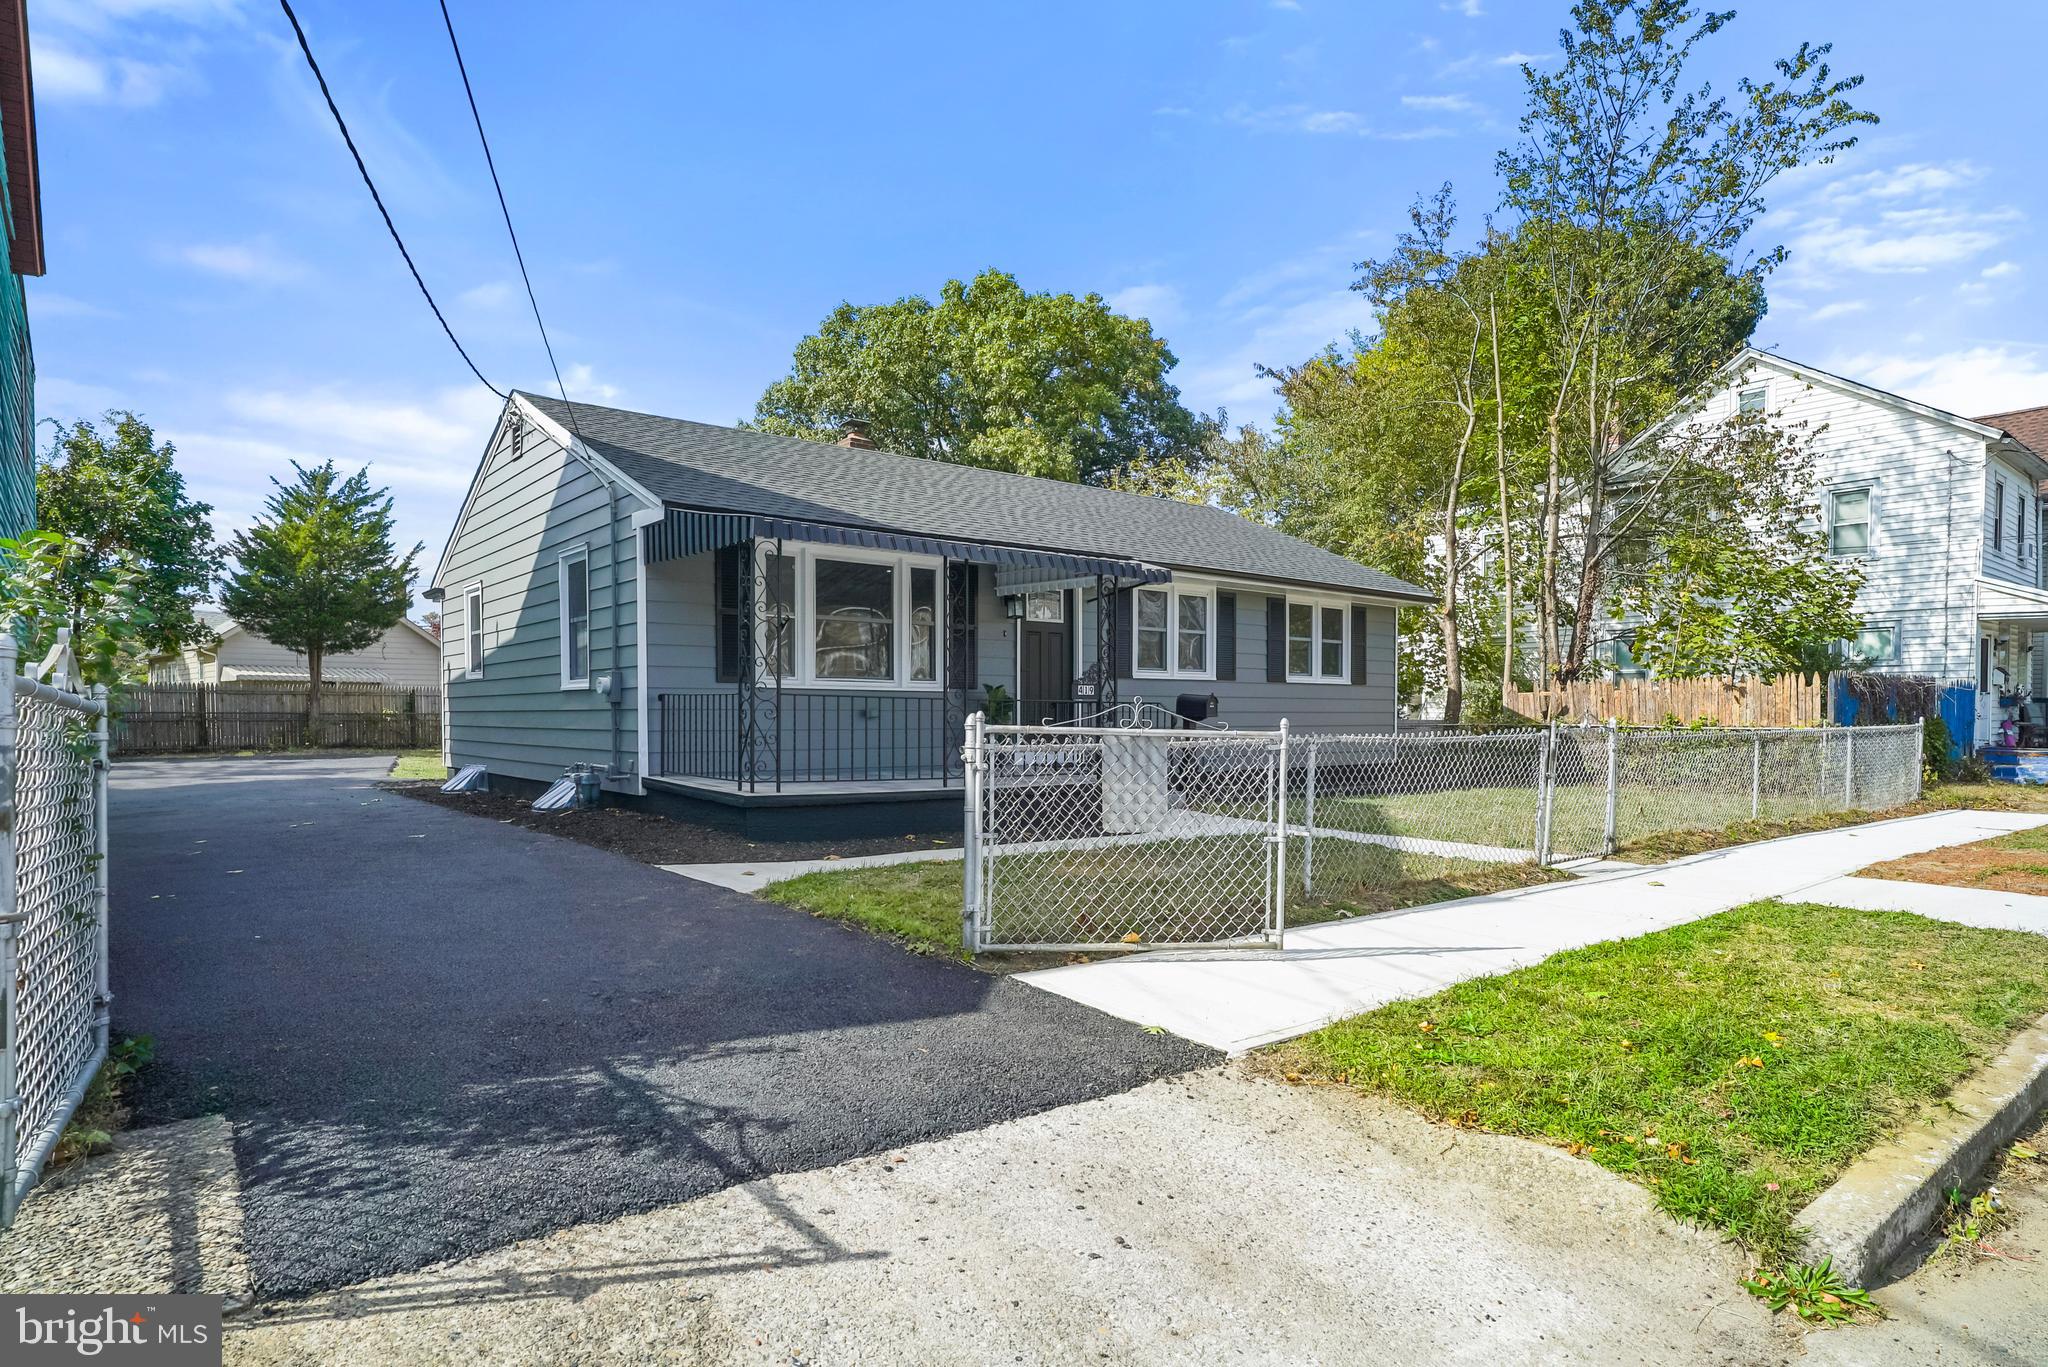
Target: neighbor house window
<point x="1849" y="522"/>
<point x="1876" y="644"/>
<point x="1751" y="400"/>
<point x="572" y="575"/>
<point x="473" y="632"/>
<point x="853" y="618"/>
<point x="1998" y="516"/>
<point x="1317" y="641"/>
<point x="1174" y="634"/>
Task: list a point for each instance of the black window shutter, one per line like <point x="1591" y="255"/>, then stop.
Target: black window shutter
<point x="1226" y="636"/>
<point x="726" y="599"/>
<point x="1358" y="635"/>
<point x="1276" y="640"/>
<point x="1120" y="634"/>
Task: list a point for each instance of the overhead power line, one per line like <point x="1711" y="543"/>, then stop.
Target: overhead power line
<point x="342" y="124"/>
<point x="517" y="255"/>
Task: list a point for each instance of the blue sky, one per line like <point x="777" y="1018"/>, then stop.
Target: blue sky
<point x="696" y="186"/>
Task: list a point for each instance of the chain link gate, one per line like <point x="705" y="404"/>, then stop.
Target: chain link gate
<point x="1083" y="837"/>
<point x="53" y="916"/>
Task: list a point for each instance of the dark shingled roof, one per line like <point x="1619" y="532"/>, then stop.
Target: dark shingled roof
<point x="2028" y="425"/>
<point x="729" y="469"/>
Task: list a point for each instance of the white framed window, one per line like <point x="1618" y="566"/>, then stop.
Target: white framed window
<point x="1045" y="607"/>
<point x="1752" y="400"/>
<point x="473" y="632"/>
<point x="1998" y="516"/>
<point x="1876" y="644"/>
<point x="1318" y="641"/>
<point x="1849" y="521"/>
<point x="1173" y="632"/>
<point x="572" y="586"/>
<point x="856" y="619"/>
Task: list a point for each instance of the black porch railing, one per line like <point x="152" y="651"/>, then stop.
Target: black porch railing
<point x="810" y="737"/>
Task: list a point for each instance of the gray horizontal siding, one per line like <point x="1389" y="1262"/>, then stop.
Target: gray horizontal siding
<point x="518" y="719"/>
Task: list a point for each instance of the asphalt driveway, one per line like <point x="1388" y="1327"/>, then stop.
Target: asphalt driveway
<point x="435" y="1034"/>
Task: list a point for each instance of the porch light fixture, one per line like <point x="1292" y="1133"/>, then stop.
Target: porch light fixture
<point x="1013" y="606"/>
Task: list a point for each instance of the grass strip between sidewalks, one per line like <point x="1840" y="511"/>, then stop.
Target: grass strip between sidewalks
<point x="1735" y="1065"/>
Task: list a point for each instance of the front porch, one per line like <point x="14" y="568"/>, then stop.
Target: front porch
<point x="795" y="665"/>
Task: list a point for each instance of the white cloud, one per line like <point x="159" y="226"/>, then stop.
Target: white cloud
<point x="1471" y="9"/>
<point x="67" y="400"/>
<point x="1158" y="303"/>
<point x="1841" y="308"/>
<point x="1332" y="121"/>
<point x="63" y="75"/>
<point x="584" y="386"/>
<point x="1892" y="248"/>
<point x="1446" y="104"/>
<point x="254" y="262"/>
<point x="44" y="303"/>
<point x="1980" y="379"/>
<point x="1290" y="5"/>
<point x="453" y="424"/>
<point x="1911" y="180"/>
<point x="2001" y="270"/>
<point x="1520" y="59"/>
<point x="494" y="294"/>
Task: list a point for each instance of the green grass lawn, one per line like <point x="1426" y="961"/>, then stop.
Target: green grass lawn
<point x="420" y="764"/>
<point x="1734" y="1065"/>
<point x="1699" y="837"/>
<point x="1102" y="895"/>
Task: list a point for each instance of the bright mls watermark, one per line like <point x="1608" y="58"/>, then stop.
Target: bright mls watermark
<point x="171" y="1331"/>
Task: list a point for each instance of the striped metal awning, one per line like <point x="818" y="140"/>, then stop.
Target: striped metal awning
<point x="688" y="531"/>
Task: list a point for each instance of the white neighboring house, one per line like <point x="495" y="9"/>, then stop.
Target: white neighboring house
<point x="1946" y="513"/>
<point x="406" y="656"/>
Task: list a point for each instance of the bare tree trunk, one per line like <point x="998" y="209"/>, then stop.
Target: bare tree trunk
<point x="315" y="658"/>
<point x="1447" y="609"/>
<point x="1507" y="541"/>
<point x="1546" y="588"/>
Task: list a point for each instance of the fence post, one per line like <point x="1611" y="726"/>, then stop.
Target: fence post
<point x="1613" y="784"/>
<point x="1308" y="836"/>
<point x="1756" y="776"/>
<point x="974" y="760"/>
<point x="1848" y="768"/>
<point x="10" y="1102"/>
<point x="1279" y="927"/>
<point x="1920" y="758"/>
<point x="102" y="997"/>
<point x="1545" y="785"/>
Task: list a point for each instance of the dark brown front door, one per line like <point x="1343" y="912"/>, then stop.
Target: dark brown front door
<point x="1045" y="677"/>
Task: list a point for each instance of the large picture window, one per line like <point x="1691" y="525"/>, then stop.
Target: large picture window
<point x="1318" y="641"/>
<point x="572" y="580"/>
<point x="854" y="619"/>
<point x="1174" y="632"/>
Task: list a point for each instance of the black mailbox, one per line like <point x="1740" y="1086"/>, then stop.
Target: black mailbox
<point x="1193" y="707"/>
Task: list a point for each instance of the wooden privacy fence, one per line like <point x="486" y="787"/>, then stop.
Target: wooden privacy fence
<point x="164" y="719"/>
<point x="1791" y="700"/>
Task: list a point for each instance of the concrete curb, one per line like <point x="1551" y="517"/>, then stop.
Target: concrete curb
<point x="1889" y="1197"/>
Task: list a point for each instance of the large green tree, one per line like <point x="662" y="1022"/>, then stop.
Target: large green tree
<point x="1045" y="384"/>
<point x="1635" y="192"/>
<point x="318" y="573"/>
<point x="118" y="500"/>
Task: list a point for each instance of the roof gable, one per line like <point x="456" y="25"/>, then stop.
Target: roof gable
<point x="727" y="469"/>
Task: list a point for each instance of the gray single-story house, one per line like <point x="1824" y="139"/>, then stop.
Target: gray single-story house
<point x="405" y="656"/>
<point x="784" y="635"/>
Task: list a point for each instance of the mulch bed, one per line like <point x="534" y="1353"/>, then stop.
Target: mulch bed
<point x="654" y="839"/>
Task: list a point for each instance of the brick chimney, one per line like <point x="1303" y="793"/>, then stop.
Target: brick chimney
<point x="854" y="433"/>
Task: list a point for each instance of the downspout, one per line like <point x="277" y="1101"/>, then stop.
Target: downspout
<point x="616" y="694"/>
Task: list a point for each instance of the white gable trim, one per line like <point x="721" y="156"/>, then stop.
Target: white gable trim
<point x="604" y="469"/>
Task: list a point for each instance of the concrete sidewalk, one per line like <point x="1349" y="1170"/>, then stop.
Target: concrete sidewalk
<point x="1986" y="907"/>
<point x="1241" y="999"/>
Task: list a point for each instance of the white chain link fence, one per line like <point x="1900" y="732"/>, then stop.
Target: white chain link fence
<point x="1082" y="838"/>
<point x="53" y="917"/>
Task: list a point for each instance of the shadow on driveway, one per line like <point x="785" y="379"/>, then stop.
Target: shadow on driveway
<point x="436" y="1034"/>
